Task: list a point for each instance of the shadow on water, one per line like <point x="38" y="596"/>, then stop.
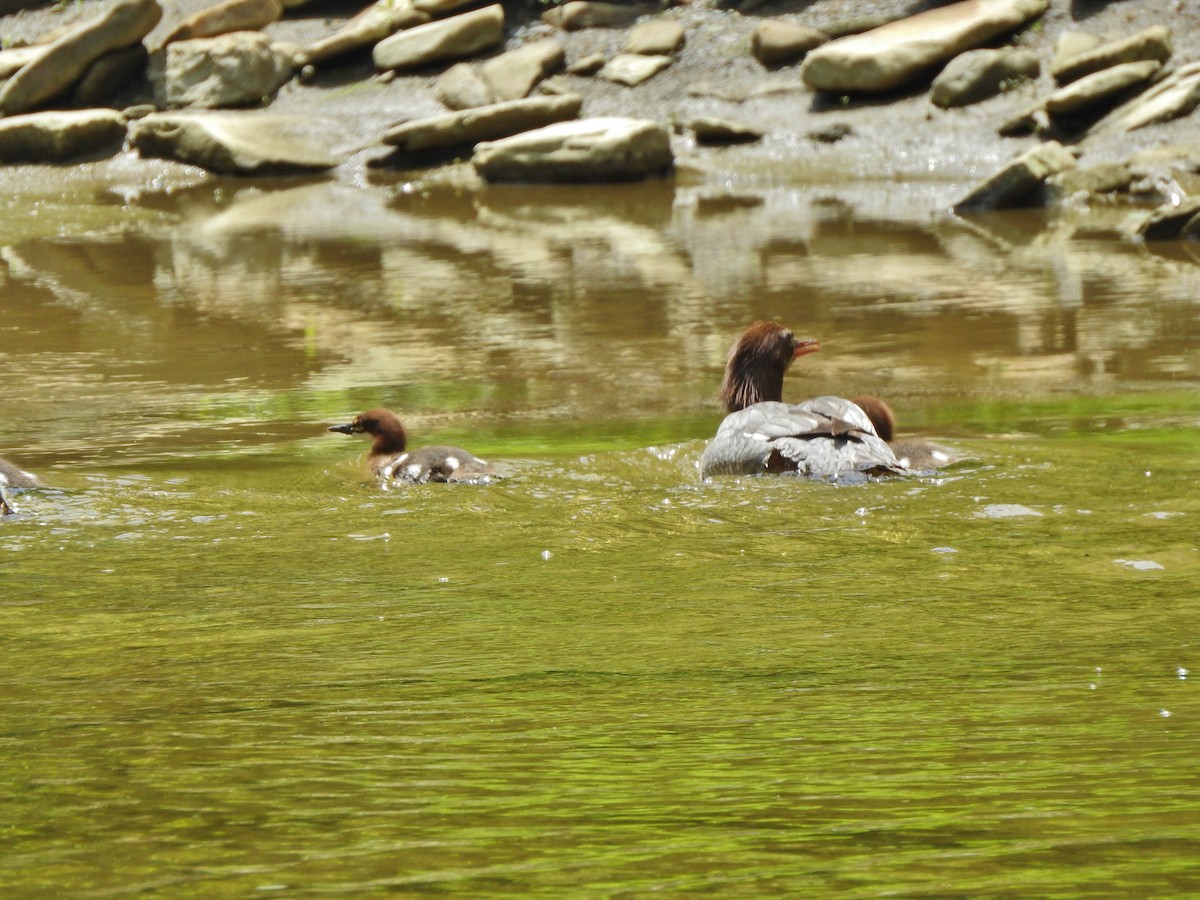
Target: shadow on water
<point x="233" y="665"/>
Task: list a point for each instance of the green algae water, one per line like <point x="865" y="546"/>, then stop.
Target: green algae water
<point x="232" y="666"/>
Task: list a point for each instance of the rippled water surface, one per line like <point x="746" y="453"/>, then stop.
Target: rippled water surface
<point x="231" y="665"/>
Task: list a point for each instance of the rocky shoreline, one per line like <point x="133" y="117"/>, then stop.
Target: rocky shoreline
<point x="1034" y="100"/>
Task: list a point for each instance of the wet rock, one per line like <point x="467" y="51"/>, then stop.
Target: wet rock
<point x="1170" y="220"/>
<point x="901" y="52"/>
<point x="1176" y="95"/>
<point x="776" y="42"/>
<point x="1153" y="44"/>
<point x="631" y="69"/>
<point x="579" y="14"/>
<point x="1020" y="182"/>
<point x="232" y="144"/>
<point x="442" y="40"/>
<point x="378" y="21"/>
<point x="486" y="123"/>
<point x="712" y="130"/>
<point x="1105" y="178"/>
<point x="238" y="69"/>
<point x="230" y="16"/>
<point x="514" y="74"/>
<point x="59" y="136"/>
<point x="588" y="150"/>
<point x="460" y="87"/>
<point x="656" y="37"/>
<point x="979" y="74"/>
<point x="587" y="65"/>
<point x="109" y="74"/>
<point x="66" y="59"/>
<point x="1099" y="87"/>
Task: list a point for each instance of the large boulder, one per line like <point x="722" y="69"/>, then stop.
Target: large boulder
<point x="66" y="59"/>
<point x="238" y="69"/>
<point x="514" y="74"/>
<point x="470" y="126"/>
<point x="979" y="74"/>
<point x="1153" y="44"/>
<point x="378" y="21"/>
<point x="45" y="137"/>
<point x="1021" y="181"/>
<point x="605" y="149"/>
<point x="443" y="40"/>
<point x="897" y="54"/>
<point x="232" y="15"/>
<point x="232" y="144"/>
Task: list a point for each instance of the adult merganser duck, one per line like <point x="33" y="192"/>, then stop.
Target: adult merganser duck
<point x="13" y="477"/>
<point x="389" y="460"/>
<point x="914" y="453"/>
<point x="827" y="438"/>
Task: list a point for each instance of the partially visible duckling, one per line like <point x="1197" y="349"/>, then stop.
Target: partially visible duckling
<point x="389" y="460"/>
<point x="13" y="477"/>
<point x="915" y="453"/>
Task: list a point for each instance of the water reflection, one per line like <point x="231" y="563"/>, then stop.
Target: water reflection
<point x="543" y="303"/>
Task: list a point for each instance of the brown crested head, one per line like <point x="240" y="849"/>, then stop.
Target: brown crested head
<point x="383" y="425"/>
<point x="757" y="362"/>
<point x="880" y="414"/>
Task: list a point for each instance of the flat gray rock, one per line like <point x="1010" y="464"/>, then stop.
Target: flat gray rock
<point x="227" y="17"/>
<point x="1176" y="95"/>
<point x="577" y="15"/>
<point x="378" y="21"/>
<point x="778" y="42"/>
<point x="979" y="74"/>
<point x="483" y="123"/>
<point x="897" y="54"/>
<point x="1100" y="87"/>
<point x="631" y="69"/>
<point x="443" y="40"/>
<point x="232" y="144"/>
<point x="1018" y="183"/>
<point x="655" y="37"/>
<point x="1153" y="44"/>
<point x="460" y="87"/>
<point x="52" y="137"/>
<point x="605" y="149"/>
<point x="512" y="75"/>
